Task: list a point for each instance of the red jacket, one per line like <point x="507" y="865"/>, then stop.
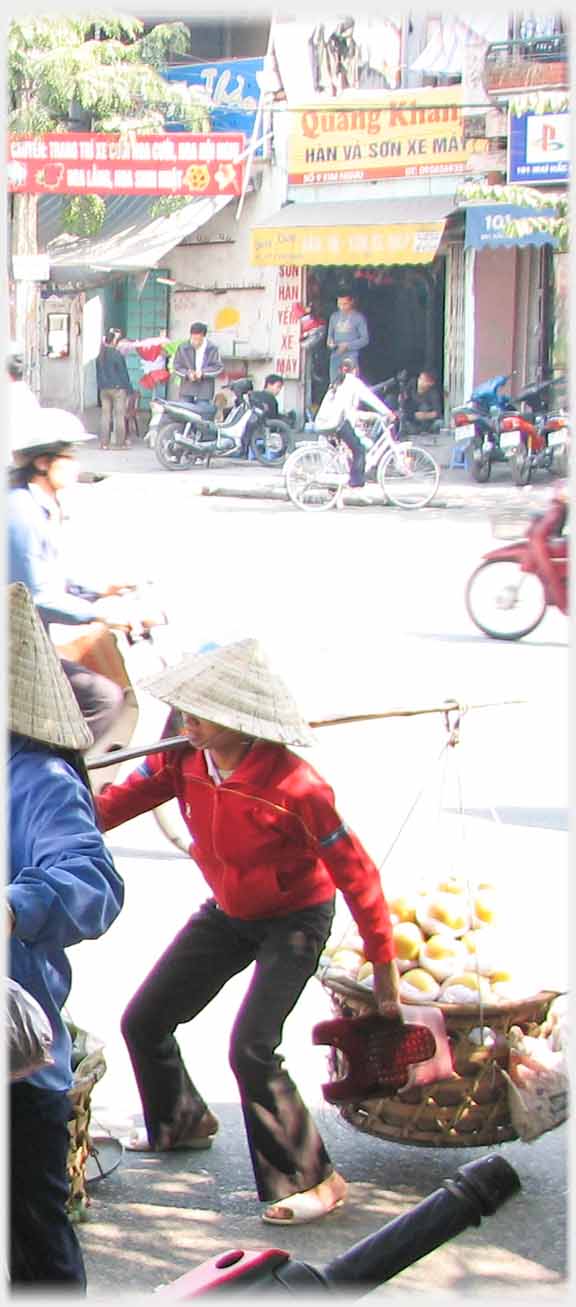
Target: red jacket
<point x="268" y="840"/>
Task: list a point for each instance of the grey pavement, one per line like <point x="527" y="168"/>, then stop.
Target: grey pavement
<point x="240" y="479"/>
<point x="157" y="1217"/>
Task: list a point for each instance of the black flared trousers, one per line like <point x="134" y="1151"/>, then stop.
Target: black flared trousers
<point x="286" y="1149"/>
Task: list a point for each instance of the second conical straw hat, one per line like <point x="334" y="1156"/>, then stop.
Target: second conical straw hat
<point x="235" y="686"/>
<point x="41" y="702"/>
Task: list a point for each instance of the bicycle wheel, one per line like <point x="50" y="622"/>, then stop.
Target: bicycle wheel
<point x="408" y="476"/>
<point x="503" y="601"/>
<point x="314" y="478"/>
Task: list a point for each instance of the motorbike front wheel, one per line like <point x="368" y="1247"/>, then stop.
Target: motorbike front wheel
<point x="269" y="443"/>
<point x="408" y="476"/>
<point x="314" y="478"/>
<point x="503" y="601"/>
<point x="521" y="466"/>
<point x="171" y="455"/>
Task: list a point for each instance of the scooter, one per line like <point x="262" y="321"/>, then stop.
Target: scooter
<point x="477" y="1190"/>
<point x="508" y="593"/>
<point x="480" y="420"/>
<point x="183" y="433"/>
<point x="534" y="439"/>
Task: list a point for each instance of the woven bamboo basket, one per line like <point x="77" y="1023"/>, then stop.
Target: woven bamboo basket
<point x="469" y="1110"/>
<point x="87" y="1074"/>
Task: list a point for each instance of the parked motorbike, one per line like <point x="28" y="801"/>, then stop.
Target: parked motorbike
<point x="535" y="439"/>
<point x="478" y="1189"/>
<point x="508" y="593"/>
<point x="185" y="432"/>
<point x="479" y="419"/>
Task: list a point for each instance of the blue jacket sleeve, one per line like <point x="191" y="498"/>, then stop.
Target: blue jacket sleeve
<point x="68" y="889"/>
<point x="27" y="563"/>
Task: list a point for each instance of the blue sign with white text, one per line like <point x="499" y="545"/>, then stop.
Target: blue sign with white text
<point x="539" y="147"/>
<point x="232" y="89"/>
<point x="486" y="226"/>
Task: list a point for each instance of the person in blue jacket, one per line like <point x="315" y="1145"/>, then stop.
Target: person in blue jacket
<point x="62" y="888"/>
<point x="44" y="464"/>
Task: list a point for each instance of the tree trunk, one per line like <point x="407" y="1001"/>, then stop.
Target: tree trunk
<point x="27" y="293"/>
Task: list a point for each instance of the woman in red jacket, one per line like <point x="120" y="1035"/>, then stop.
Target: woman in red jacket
<point x="269" y="842"/>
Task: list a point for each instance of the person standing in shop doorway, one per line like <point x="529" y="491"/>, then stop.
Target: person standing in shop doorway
<point x="347" y="333"/>
<point x="114" y="386"/>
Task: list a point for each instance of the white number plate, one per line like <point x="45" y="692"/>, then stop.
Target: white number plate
<point x="510" y="440"/>
<point x="556" y="438"/>
<point x="465" y="432"/>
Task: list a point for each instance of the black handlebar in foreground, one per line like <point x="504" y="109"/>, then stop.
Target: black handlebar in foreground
<point x="478" y="1189"/>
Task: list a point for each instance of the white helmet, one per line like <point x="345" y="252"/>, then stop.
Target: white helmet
<point x="46" y="432"/>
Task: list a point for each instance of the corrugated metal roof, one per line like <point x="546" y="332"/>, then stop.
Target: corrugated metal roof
<point x="121" y="211"/>
<point x="130" y="241"/>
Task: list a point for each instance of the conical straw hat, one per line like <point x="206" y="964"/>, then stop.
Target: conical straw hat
<point x="234" y="686"/>
<point x="42" y="705"/>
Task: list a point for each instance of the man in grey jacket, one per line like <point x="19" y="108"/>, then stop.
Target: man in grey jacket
<point x="198" y="364"/>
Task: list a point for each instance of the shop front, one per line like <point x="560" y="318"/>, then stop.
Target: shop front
<point x="388" y="256"/>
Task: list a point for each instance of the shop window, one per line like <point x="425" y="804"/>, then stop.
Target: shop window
<point x="58" y="335"/>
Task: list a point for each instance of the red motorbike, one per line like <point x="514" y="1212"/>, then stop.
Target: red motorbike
<point x="509" y="592"/>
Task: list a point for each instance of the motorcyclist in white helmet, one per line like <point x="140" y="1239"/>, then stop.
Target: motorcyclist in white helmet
<point x="44" y="463"/>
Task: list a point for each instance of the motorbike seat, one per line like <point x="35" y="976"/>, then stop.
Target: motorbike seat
<point x="184" y="408"/>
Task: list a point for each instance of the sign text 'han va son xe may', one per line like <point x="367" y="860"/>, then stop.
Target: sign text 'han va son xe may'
<point x="91" y="163"/>
<point x="416" y="134"/>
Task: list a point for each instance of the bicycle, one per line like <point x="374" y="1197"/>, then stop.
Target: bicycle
<point x="317" y="473"/>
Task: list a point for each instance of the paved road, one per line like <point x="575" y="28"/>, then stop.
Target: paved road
<point x="361" y="610"/>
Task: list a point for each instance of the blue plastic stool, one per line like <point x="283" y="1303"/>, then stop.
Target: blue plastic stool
<point x="459" y="452"/>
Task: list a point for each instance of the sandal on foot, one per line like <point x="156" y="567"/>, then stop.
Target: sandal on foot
<point x="302" y="1208"/>
<point x="138" y="1141"/>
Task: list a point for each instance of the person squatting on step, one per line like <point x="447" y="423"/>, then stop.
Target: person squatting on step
<point x="267" y="838"/>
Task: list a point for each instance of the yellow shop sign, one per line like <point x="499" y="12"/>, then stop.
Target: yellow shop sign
<point x="397" y="243"/>
<point x="414" y="133"/>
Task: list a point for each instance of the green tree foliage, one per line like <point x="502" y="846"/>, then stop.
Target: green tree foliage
<point x="101" y="65"/>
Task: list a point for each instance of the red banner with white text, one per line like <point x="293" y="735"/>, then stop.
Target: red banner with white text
<point x="90" y="163"/>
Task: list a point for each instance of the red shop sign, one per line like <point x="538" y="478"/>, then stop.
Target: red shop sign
<point x="93" y="163"/>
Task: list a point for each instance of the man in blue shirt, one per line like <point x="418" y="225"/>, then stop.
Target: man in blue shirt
<point x="62" y="888"/>
<point x="44" y="464"/>
<point x="347" y="334"/>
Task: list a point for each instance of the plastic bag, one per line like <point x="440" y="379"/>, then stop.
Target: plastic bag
<point x="29" y="1033"/>
<point x="538" y="1087"/>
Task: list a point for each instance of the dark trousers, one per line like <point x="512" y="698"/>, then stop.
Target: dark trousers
<point x="99" y="699"/>
<point x="287" y="1152"/>
<point x="347" y="433"/>
<point x="44" y="1249"/>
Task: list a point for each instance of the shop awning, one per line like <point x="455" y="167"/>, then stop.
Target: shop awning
<point x="400" y="230"/>
<point x="489" y="226"/>
<point x="136" y="246"/>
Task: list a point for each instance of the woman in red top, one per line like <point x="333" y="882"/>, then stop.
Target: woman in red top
<point x="269" y="842"/>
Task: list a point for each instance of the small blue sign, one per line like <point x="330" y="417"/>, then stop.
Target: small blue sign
<point x="232" y="89"/>
<point x="539" y="147"/>
<point x="486" y="226"/>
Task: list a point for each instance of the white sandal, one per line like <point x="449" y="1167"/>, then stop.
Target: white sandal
<point x="303" y="1207"/>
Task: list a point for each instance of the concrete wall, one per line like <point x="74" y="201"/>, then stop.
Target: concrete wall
<point x="238" y="313"/>
<point x="495" y="314"/>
